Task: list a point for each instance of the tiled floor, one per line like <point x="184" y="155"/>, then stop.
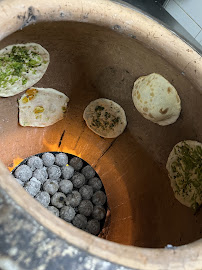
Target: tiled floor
<point x="189" y="14"/>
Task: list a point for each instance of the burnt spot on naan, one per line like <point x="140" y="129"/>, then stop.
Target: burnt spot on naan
<point x="150" y="115"/>
<point x="163" y="111"/>
<point x="169" y="90"/>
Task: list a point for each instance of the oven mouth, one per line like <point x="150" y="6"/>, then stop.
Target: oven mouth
<point x="103" y="222"/>
<point x="86" y="65"/>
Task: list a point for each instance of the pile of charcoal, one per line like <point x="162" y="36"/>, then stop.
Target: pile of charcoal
<point x="67" y="186"/>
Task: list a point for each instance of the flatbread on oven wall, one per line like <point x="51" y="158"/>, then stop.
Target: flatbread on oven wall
<point x="41" y="107"/>
<point x="156" y="99"/>
<point x="105" y="118"/>
<point x="184" y="168"/>
<point x="21" y="66"/>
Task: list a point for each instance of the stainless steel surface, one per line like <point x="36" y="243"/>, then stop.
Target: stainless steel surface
<point x="155" y="10"/>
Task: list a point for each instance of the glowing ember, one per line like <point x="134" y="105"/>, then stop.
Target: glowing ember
<point x="49" y="147"/>
<point x="16" y="162"/>
<point x="62" y="148"/>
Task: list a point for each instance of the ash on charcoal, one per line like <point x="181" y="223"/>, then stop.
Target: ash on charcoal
<point x="67" y="172"/>
<point x="53" y="210"/>
<point x="54" y="172"/>
<point x="41" y="174"/>
<point x="48" y="159"/>
<point x="66" y="186"/>
<point x="51" y="186"/>
<point x="71" y="191"/>
<point x="58" y="199"/>
<point x="44" y="198"/>
<point x="33" y="186"/>
<point x="23" y="172"/>
<point x="61" y="159"/>
<point x="35" y="162"/>
<point x="67" y="213"/>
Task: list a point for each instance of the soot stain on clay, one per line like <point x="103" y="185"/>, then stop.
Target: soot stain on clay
<point x="133" y="36"/>
<point x="62" y="15"/>
<point x="117" y="27"/>
<point x="85" y="16"/>
<point x="28" y="18"/>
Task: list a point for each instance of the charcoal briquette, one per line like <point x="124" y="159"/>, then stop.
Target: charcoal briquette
<point x="67" y="213"/>
<point x="73" y="199"/>
<point x="51" y="186"/>
<point x="58" y="199"/>
<point x="61" y="159"/>
<point x="35" y="162"/>
<point x="86" y="192"/>
<point x="54" y="172"/>
<point x="48" y="159"/>
<point x="85" y="208"/>
<point x="76" y="163"/>
<point x="88" y="172"/>
<point x="33" y="186"/>
<point x="65" y="186"/>
<point x="93" y="226"/>
<point x="99" y="198"/>
<point x="44" y="198"/>
<point x="41" y="174"/>
<point x="23" y="172"/>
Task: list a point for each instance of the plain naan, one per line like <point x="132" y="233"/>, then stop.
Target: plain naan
<point x="156" y="99"/>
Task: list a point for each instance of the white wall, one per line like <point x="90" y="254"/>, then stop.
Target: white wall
<point x="189" y="14"/>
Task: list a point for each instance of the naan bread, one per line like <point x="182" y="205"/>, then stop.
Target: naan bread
<point x="105" y="117"/>
<point x="156" y="99"/>
<point x="21" y="66"/>
<point x="184" y="167"/>
<point x="41" y="107"/>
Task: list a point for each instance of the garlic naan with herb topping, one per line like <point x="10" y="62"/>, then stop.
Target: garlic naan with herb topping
<point x="105" y="117"/>
<point x="21" y="66"/>
<point x="156" y="99"/>
<point x="184" y="167"/>
<point x="41" y="107"/>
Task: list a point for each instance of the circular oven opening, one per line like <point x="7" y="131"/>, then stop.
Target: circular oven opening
<point x="68" y="187"/>
<point x="88" y="62"/>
